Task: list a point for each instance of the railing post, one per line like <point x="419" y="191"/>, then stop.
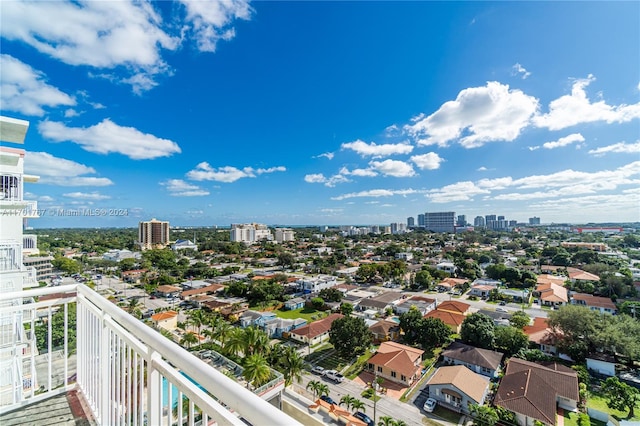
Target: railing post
<point x="105" y="371"/>
<point x="154" y="391"/>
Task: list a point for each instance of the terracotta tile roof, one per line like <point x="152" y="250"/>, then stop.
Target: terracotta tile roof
<point x="397" y="357"/>
<point x="454" y="281"/>
<point x="532" y="389"/>
<point x="164" y="315"/>
<point x="595" y="301"/>
<point x="547" y="279"/>
<point x="540" y="332"/>
<point x="579" y="274"/>
<point x="208" y="289"/>
<point x="551" y="292"/>
<point x="449" y="318"/>
<point x="453" y="306"/>
<point x="475" y="356"/>
<point x="383" y="327"/>
<point x="317" y="328"/>
<point x="472" y="384"/>
<point x="168" y="289"/>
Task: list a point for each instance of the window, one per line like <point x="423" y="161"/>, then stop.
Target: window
<point x="403" y="378"/>
<point x="379" y="369"/>
<point x="370" y="366"/>
<point x="393" y="374"/>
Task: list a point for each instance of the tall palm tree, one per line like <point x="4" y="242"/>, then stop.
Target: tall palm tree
<point x="318" y="388"/>
<point x="196" y="318"/>
<point x="235" y="343"/>
<point x="347" y="400"/>
<point x="189" y="339"/>
<point x="255" y="341"/>
<point x="293" y="366"/>
<point x="256" y="370"/>
<point x="357" y="405"/>
<point x="222" y="332"/>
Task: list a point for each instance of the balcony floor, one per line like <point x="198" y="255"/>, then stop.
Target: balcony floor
<point x="66" y="409"/>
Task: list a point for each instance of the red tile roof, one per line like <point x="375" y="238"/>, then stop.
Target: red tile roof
<point x="317" y="328"/>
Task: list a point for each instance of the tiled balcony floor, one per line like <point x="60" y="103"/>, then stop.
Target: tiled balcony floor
<point x="66" y="409"/>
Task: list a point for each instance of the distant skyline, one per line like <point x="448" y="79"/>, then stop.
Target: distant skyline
<point x="206" y="113"/>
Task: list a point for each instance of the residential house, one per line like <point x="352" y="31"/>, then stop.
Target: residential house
<point x="168" y="291"/>
<point x="167" y="320"/>
<point x="215" y="305"/>
<point x="293" y="304"/>
<point x="533" y="391"/>
<point x="596" y="303"/>
<point x="209" y="289"/>
<point x="482" y="287"/>
<point x="447" y="267"/>
<point x="397" y="363"/>
<point x="315" y="284"/>
<point x="542" y="335"/>
<point x="385" y="330"/>
<point x="423" y="304"/>
<point x="255" y="318"/>
<point x="576" y="274"/>
<point x="601" y="363"/>
<point x="551" y="294"/>
<point x="451" y="312"/>
<point x="315" y="332"/>
<point x="270" y="323"/>
<point x="133" y="276"/>
<point x="381" y="302"/>
<point x="456" y="387"/>
<point x="450" y="283"/>
<point x="481" y="361"/>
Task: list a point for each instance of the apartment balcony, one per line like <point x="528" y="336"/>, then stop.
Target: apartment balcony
<point x="121" y="370"/>
<point x="31" y="209"/>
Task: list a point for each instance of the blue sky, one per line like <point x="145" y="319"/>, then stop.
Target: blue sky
<point x="212" y="113"/>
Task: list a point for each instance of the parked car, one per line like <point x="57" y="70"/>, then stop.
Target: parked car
<point x="318" y="370"/>
<point x="502" y="303"/>
<point x="327" y="399"/>
<point x="362" y="416"/>
<point x="501" y="310"/>
<point x="333" y="375"/>
<point x="430" y="405"/>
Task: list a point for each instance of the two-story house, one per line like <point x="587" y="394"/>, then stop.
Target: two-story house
<point x="481" y="361"/>
<point x="397" y="363"/>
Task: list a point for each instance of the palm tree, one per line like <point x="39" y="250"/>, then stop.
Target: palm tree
<point x="222" y="332"/>
<point x="256" y="370"/>
<point x="293" y="366"/>
<point x="235" y="343"/>
<point x="318" y="388"/>
<point x="386" y="421"/>
<point x="255" y="341"/>
<point x="399" y="423"/>
<point x="347" y="400"/>
<point x="189" y="339"/>
<point x="357" y="405"/>
<point x="197" y="318"/>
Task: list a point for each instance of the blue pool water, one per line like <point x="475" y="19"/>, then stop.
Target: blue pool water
<point x="174" y="391"/>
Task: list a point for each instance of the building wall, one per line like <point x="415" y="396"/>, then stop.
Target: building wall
<point x="440" y="221"/>
<point x="152" y="234"/>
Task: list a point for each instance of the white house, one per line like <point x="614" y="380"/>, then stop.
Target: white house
<point x="315" y="284"/>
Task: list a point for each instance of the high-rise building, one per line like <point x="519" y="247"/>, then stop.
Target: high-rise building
<point x="479" y="222"/>
<point x="250" y="233"/>
<point x="462" y="220"/>
<point x="411" y="222"/>
<point x="153" y="234"/>
<point x="421" y="221"/>
<point x="285" y="234"/>
<point x="534" y="220"/>
<point x="15" y="345"/>
<point x="440" y="221"/>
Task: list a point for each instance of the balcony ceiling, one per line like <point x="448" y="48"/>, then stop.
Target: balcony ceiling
<point x="12" y="129"/>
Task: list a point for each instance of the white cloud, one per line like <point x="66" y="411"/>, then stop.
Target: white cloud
<point x="518" y="69"/>
<point x="62" y="172"/>
<point x="620" y="147"/>
<point x="210" y="20"/>
<point x="25" y="90"/>
<point x="483" y="114"/>
<point x="460" y="191"/>
<point x="315" y="178"/>
<point x="358" y="172"/>
<point x="107" y="137"/>
<point x="576" y="108"/>
<point x="375" y="193"/>
<point x="482" y="169"/>
<point x="567" y="140"/>
<point x="180" y="188"/>
<point x="227" y="174"/>
<point x="393" y="168"/>
<point x="376" y="151"/>
<point x="533" y="148"/>
<point x="129" y="34"/>
<point x="95" y="196"/>
<point x="428" y="161"/>
<point x="327" y="155"/>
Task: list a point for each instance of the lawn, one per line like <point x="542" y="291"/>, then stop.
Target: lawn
<point x="327" y="358"/>
<point x="309" y="314"/>
<point x="447" y="414"/>
<point x="599" y="403"/>
<point x="571" y="419"/>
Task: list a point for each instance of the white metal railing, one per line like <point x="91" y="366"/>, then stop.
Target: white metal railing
<point x="10" y="255"/>
<point x="128" y="373"/>
<point x="11" y="187"/>
<point x="31" y="209"/>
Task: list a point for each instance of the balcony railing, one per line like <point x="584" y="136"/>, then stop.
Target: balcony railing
<point x="127" y="372"/>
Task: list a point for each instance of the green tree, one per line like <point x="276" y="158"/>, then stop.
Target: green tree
<point x="331" y="294"/>
<point x="519" y="319"/>
<point x="57" y="330"/>
<point x="433" y="333"/>
<point x="188" y="339"/>
<point x="256" y="370"/>
<point x="411" y="322"/>
<point x="318" y="388"/>
<point x="346" y="308"/>
<point x="346" y="400"/>
<point x="357" y="405"/>
<point x="292" y="365"/>
<point x="423" y="279"/>
<point x="510" y="340"/>
<point x="620" y="396"/>
<point x="286" y="259"/>
<point x="386" y="421"/>
<point x="66" y="265"/>
<point x="483" y="415"/>
<point x="350" y="336"/>
<point x="478" y="330"/>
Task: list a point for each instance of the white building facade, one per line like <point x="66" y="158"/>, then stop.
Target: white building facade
<point x="250" y="233"/>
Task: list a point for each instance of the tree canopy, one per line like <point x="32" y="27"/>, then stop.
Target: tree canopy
<point x="478" y="330"/>
<point x="350" y="336"/>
